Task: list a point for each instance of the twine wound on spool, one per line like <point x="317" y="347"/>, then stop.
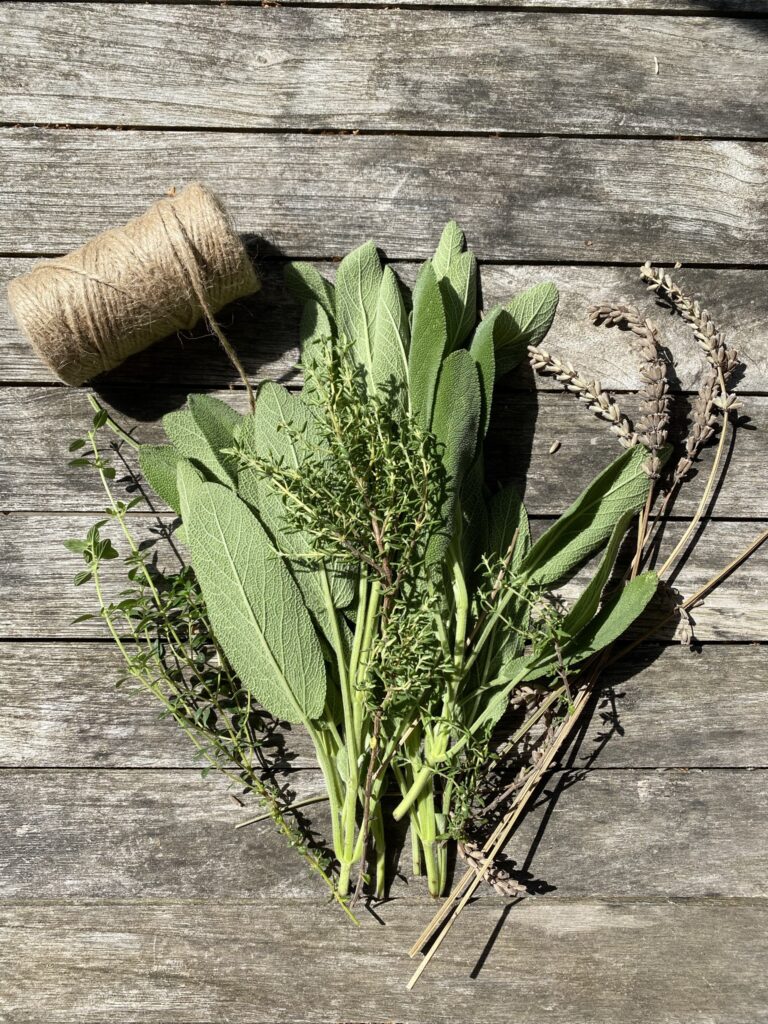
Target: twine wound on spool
<point x="162" y="272"/>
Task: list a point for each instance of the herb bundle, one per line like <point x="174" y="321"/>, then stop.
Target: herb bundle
<point x="346" y="567"/>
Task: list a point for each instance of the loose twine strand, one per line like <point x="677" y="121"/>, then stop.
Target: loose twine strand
<point x="162" y="272"/>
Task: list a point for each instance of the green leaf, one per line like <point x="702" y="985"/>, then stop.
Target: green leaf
<point x="589" y="522"/>
<point x="456" y="272"/>
<point x="77" y="547"/>
<point x="76" y="444"/>
<point x="83" y="577"/>
<point x="507" y="517"/>
<point x="614" y="618"/>
<point x="455" y="423"/>
<point x="529" y="317"/>
<point x="256" y="610"/>
<point x="391" y="334"/>
<point x="428" y="343"/>
<point x="201" y="431"/>
<point x="306" y="283"/>
<point x="263" y="434"/>
<point x="589" y="601"/>
<point x="358" y="282"/>
<point x="483" y="352"/>
<point x="159" y="463"/>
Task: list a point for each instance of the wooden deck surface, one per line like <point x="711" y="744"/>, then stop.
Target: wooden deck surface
<point x="572" y="139"/>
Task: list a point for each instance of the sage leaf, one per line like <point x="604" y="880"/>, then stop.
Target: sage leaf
<point x="428" y="343"/>
<point x="456" y="273"/>
<point x="483" y="352"/>
<point x="456" y="422"/>
<point x="256" y="611"/>
<point x="391" y="335"/>
<point x="614" y="618"/>
<point x="358" y="282"/>
<point x="529" y="317"/>
<point x="307" y="284"/>
<point x="589" y="601"/>
<point x="159" y="464"/>
<point x="507" y="518"/>
<point x="589" y="522"/>
<point x="201" y="431"/>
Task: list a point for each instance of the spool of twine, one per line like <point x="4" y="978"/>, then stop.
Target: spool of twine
<point x="125" y="289"/>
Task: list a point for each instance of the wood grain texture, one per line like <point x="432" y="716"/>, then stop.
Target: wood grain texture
<point x="443" y="71"/>
<point x="170" y="834"/>
<point x="720" y="7"/>
<point x="671" y="708"/>
<point x="521" y="199"/>
<point x="585" y="962"/>
<point x="40" y="422"/>
<point x="37" y="598"/>
<point x="264" y="329"/>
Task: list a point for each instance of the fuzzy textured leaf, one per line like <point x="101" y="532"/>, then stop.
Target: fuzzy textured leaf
<point x="306" y="283"/>
<point x="256" y="610"/>
<point x="159" y="464"/>
<point x="201" y="431"/>
<point x="358" y="282"/>
<point x="428" y="343"/>
<point x="589" y="522"/>
<point x="589" y="601"/>
<point x="391" y="334"/>
<point x="456" y="422"/>
<point x="529" y="317"/>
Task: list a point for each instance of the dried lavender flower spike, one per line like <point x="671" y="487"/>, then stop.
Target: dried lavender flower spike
<point x="591" y="393"/>
<point x="653" y="426"/>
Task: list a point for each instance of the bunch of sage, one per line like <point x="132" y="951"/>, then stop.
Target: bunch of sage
<point x="359" y="576"/>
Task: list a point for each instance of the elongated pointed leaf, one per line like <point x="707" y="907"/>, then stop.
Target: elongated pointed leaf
<point x="456" y="422"/>
<point x="358" y="283"/>
<point x="449" y="249"/>
<point x="584" y="528"/>
<point x="428" y="343"/>
<point x="391" y="335"/>
<point x="614" y="618"/>
<point x="530" y="316"/>
<point x="256" y="611"/>
<point x="201" y="431"/>
<point x="508" y="521"/>
<point x="483" y="352"/>
<point x="456" y="272"/>
<point x="589" y="601"/>
<point x="306" y="284"/>
<point x="159" y="464"/>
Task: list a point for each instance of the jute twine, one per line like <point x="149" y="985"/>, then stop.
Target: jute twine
<point x="125" y="289"/>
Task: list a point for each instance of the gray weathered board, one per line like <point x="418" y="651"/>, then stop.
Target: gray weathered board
<point x="572" y="141"/>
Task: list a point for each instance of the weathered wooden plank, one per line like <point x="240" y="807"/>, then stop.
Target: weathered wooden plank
<point x="590" y="962"/>
<point x="154" y="835"/>
<point x="585" y="962"/>
<point x="264" y="329"/>
<point x="520" y="198"/>
<point x="39" y="423"/>
<point x="654" y="6"/>
<point x="37" y="598"/>
<point x="664" y="707"/>
<point x="437" y="70"/>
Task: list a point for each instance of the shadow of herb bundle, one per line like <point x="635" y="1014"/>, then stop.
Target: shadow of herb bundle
<point x="353" y="574"/>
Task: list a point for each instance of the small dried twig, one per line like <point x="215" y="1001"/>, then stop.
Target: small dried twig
<point x="590" y="392"/>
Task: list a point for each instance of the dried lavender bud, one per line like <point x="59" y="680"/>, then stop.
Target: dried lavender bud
<point x="496" y="876"/>
<point x="590" y="392"/>
<point x="653" y="426"/>
<point x="713" y="394"/>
